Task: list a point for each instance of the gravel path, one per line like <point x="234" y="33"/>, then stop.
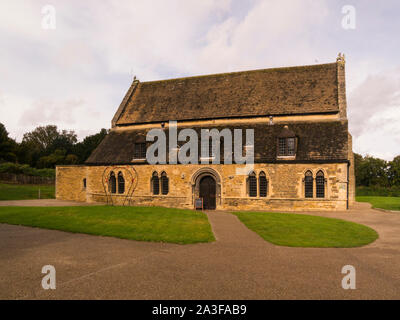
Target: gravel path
<point x="239" y="265"/>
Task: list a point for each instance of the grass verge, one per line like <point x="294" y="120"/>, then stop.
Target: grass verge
<point x="387" y="203"/>
<point x="299" y="230"/>
<point x="135" y="223"/>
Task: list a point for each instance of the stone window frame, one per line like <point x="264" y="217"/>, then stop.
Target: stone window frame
<point x="84" y="183"/>
<point x="164" y="183"/>
<point x="314" y="173"/>
<point x="324" y="181"/>
<point x="153" y="179"/>
<point x="112" y="183"/>
<point x="257" y="180"/>
<point x="306" y="194"/>
<point x="260" y="175"/>
<point x="121" y="182"/>
<point x="252" y="178"/>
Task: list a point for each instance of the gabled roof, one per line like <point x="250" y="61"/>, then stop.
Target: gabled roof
<point x="279" y="91"/>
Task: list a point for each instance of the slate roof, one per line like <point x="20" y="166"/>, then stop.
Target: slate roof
<point x="279" y="91"/>
<point x="317" y="141"/>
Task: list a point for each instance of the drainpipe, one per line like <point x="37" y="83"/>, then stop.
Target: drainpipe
<point x="348" y="183"/>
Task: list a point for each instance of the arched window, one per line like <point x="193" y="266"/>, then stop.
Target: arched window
<point x="164" y="183"/>
<point x="155" y="183"/>
<point x="308" y="184"/>
<point x="263" y="184"/>
<point x="121" y="183"/>
<point x="320" y="184"/>
<point x="112" y="183"/>
<point x="252" y="184"/>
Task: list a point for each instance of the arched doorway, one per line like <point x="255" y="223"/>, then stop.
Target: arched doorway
<point x="214" y="187"/>
<point x="208" y="192"/>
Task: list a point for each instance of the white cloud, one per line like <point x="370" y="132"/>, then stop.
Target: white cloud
<point x="76" y="76"/>
<point x="374" y="113"/>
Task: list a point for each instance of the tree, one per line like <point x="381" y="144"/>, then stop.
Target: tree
<point x="50" y="161"/>
<point x="44" y="142"/>
<point x="41" y="138"/>
<point x="394" y="171"/>
<point x="358" y="161"/>
<point x="371" y="171"/>
<point x="48" y="139"/>
<point x="8" y="146"/>
<point x="85" y="148"/>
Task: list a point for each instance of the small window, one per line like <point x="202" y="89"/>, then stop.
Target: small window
<point x="121" y="183"/>
<point x="286" y="146"/>
<point x="252" y="185"/>
<point x="320" y="184"/>
<point x="282" y="146"/>
<point x="140" y="150"/>
<point x="112" y="183"/>
<point x="263" y="184"/>
<point x="308" y="184"/>
<point x="164" y="183"/>
<point x="84" y="183"/>
<point x="155" y="184"/>
<point x="290" y="146"/>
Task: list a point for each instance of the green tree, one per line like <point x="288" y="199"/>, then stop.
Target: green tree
<point x="358" y="162"/>
<point x="85" y="148"/>
<point x="45" y="142"/>
<point x="50" y="161"/>
<point x="8" y="146"/>
<point x="371" y="171"/>
<point x="394" y="171"/>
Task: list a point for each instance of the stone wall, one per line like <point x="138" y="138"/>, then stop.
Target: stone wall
<point x="352" y="175"/>
<point x="69" y="183"/>
<point x="285" y="190"/>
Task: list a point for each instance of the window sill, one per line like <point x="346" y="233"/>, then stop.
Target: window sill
<point x="286" y="157"/>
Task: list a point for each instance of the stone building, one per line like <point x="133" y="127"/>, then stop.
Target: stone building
<point x="303" y="157"/>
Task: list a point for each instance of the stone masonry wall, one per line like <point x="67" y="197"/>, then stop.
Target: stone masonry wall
<point x="69" y="183"/>
<point x="285" y="190"/>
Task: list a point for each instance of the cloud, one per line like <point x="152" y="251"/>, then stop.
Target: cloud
<point x="46" y="111"/>
<point x="374" y="113"/>
<point x="77" y="75"/>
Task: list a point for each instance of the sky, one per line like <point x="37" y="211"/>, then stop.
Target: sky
<point x="70" y="62"/>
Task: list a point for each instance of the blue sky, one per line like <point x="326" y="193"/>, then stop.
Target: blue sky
<point x="76" y="75"/>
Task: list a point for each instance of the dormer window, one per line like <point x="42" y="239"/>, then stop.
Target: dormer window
<point x="287" y="147"/>
<point x="287" y="144"/>
<point x="139" y="151"/>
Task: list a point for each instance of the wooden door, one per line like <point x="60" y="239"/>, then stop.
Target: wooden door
<point x="208" y="192"/>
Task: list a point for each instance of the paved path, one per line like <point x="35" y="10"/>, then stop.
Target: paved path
<point x="239" y="265"/>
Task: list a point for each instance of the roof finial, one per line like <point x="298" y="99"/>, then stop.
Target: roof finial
<point x="341" y="58"/>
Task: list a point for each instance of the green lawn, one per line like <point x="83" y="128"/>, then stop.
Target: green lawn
<point x="298" y="230"/>
<point x="388" y="203"/>
<point x="25" y="192"/>
<point x="135" y="223"/>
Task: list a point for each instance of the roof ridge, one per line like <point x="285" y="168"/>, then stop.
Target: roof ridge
<point x="291" y="68"/>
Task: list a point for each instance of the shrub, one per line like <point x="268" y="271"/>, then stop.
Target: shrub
<point x="9" y="167"/>
<point x="379" y="191"/>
